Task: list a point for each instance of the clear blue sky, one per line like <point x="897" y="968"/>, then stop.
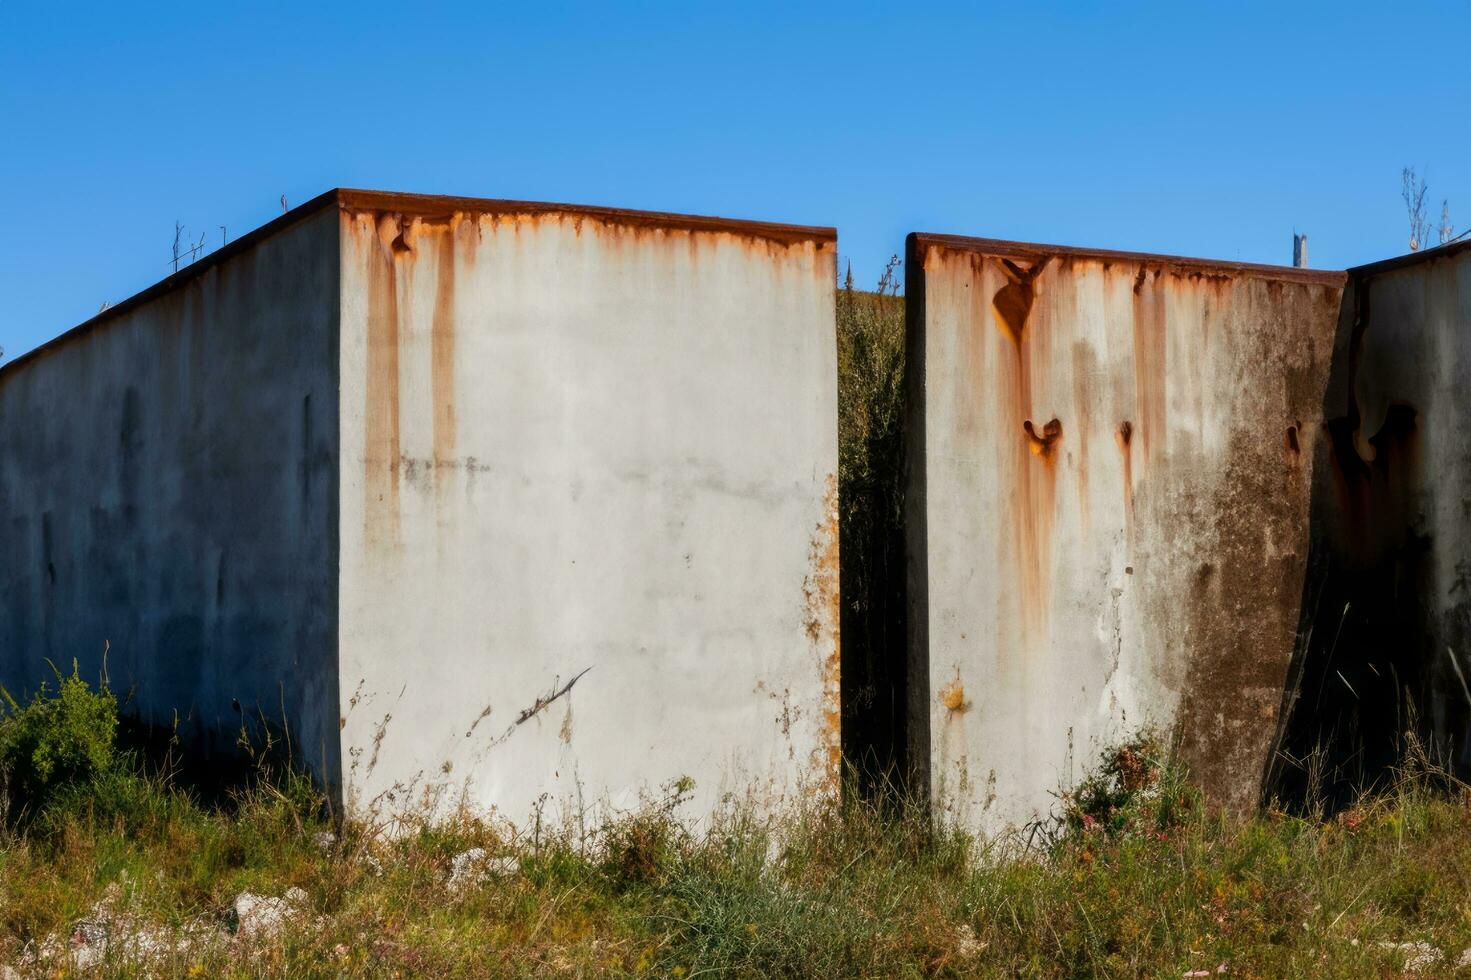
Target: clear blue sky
<point x="1210" y="130"/>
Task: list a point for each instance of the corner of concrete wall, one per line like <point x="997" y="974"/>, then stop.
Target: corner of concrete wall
<point x="170" y="493"/>
<point x="916" y="530"/>
<point x="1386" y="618"/>
<point x="331" y="742"/>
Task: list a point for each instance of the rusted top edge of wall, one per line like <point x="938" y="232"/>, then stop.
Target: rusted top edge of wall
<point x="436" y="206"/>
<point x="1032" y="250"/>
<point x="1412" y="258"/>
<point x="419" y="205"/>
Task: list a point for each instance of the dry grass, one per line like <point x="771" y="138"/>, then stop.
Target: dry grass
<point x="1135" y="879"/>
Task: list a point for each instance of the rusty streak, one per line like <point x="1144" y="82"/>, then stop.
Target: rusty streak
<point x="1175" y="264"/>
<point x="1012" y="303"/>
<point x="1041" y="445"/>
<point x="381" y="393"/>
<point x="435" y="207"/>
<point x="442" y="354"/>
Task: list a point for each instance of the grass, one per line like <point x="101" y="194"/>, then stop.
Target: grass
<point x="1135" y="878"/>
<point x="871" y="501"/>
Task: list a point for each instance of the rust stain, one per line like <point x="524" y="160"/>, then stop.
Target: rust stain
<point x="1012" y="303"/>
<point x="952" y="696"/>
<point x="1375" y="497"/>
<point x="1362" y="442"/>
<point x="1178" y="265"/>
<point x="1256" y="536"/>
<point x="440" y="209"/>
<point x="396" y="230"/>
<point x="1014" y="307"/>
<point x="1369" y="496"/>
<point x="616" y="228"/>
<point x="1041" y="445"/>
<point x="1149" y="359"/>
<point x="1123" y="437"/>
<point x="1084" y="374"/>
<point x="381" y="410"/>
<point x="442" y="354"/>
<point x="822" y="603"/>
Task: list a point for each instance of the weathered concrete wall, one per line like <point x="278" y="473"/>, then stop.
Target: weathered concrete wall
<point x="589" y="536"/>
<point x="1110" y="461"/>
<point x="572" y="473"/>
<point x="168" y="486"/>
<point x="1387" y="613"/>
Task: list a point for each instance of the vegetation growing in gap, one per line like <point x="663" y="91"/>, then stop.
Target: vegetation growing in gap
<point x="871" y="500"/>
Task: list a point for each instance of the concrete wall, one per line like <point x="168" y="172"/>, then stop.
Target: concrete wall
<point x="1110" y="460"/>
<point x="1388" y="610"/>
<point x="595" y="449"/>
<point x="168" y="486"/>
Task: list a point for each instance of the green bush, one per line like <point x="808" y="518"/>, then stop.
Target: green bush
<point x="59" y="738"/>
<point x="1138" y="787"/>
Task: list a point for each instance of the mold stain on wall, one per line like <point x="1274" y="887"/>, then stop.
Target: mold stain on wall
<point x="381" y="391"/>
<point x="1373" y="670"/>
<point x="1196" y="615"/>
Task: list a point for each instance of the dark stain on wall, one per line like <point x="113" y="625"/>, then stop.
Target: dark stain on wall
<point x="1222" y="522"/>
<point x="1374" y="678"/>
<point x="442" y="349"/>
<point x="172" y="497"/>
<point x="1242" y="534"/>
<point x="381" y="448"/>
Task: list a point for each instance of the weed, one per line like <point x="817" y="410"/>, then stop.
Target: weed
<point x="59" y="738"/>
<point x="1138" y="787"/>
<point x="871" y="500"/>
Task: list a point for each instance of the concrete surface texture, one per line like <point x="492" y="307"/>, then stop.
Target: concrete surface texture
<point x="1387" y="613"/>
<point x="522" y="506"/>
<point x="533" y="508"/>
<point x="168" y="487"/>
<point x="589" y="530"/>
<point x="1111" y="461"/>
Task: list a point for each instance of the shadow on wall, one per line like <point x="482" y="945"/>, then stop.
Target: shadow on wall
<point x="1379" y="670"/>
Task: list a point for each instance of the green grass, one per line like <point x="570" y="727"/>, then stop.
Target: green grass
<point x="1134" y="879"/>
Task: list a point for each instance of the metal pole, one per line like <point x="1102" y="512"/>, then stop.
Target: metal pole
<point x="1299" y="251"/>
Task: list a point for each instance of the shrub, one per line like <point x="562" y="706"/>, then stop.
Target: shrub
<point x="59" y="738"/>
<point x="638" y="849"/>
<point x="1138" y="787"/>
